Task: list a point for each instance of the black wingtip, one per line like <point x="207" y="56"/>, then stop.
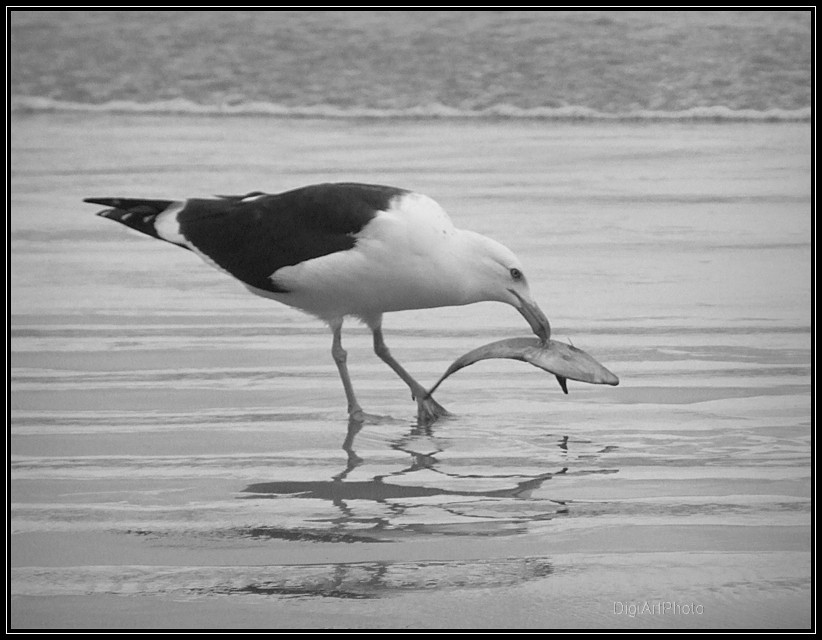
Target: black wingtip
<point x="106" y="202"/>
<point x="563" y="382"/>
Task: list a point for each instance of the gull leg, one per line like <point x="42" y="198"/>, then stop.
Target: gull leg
<point x="428" y="409"/>
<point x="340" y="356"/>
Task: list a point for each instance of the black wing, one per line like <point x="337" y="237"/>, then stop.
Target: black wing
<point x="253" y="236"/>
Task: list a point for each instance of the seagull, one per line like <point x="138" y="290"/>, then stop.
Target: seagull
<point x="338" y="250"/>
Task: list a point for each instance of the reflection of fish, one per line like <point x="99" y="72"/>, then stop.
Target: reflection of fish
<point x="563" y="360"/>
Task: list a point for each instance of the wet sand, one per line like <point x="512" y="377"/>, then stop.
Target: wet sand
<point x="179" y="449"/>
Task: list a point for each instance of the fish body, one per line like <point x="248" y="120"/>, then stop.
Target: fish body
<point x="565" y="361"/>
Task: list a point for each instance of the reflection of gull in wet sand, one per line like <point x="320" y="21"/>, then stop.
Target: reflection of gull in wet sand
<point x="419" y="496"/>
<point x="379" y="488"/>
<point x="337" y="250"/>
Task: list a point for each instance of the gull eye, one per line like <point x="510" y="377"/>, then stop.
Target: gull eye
<point x="516" y="274"/>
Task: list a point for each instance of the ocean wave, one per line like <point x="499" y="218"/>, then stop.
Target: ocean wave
<point x="181" y="106"/>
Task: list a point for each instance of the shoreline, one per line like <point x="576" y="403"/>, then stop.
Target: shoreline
<point x="25" y="105"/>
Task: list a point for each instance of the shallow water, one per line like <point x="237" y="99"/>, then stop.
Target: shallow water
<point x="180" y="453"/>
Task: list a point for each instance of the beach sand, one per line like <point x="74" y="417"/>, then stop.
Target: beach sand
<point x="177" y="446"/>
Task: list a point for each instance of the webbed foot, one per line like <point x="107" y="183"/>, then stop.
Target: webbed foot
<point x="429" y="411"/>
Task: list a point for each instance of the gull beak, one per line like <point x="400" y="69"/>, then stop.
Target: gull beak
<point x="533" y="314"/>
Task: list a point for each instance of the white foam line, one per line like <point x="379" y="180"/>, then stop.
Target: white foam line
<point x="181" y="106"/>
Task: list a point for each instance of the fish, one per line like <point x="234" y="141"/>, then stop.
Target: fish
<point x="565" y="361"/>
